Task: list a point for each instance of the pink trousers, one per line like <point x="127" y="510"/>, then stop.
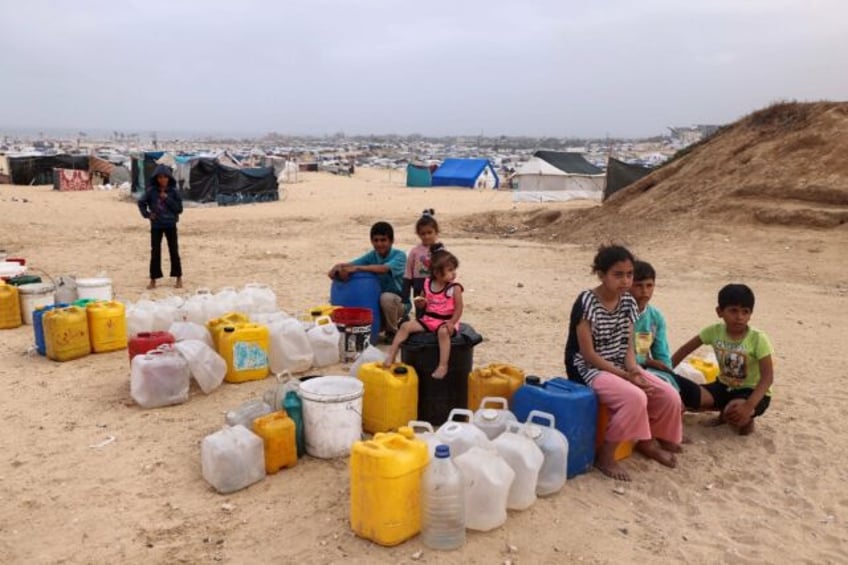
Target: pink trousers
<point x="635" y="415"/>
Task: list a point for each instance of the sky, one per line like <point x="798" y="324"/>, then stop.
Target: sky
<point x="561" y="68"/>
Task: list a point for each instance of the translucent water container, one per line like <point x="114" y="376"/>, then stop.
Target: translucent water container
<point x="289" y="347"/>
<point x="232" y="459"/>
<point x="385" y="487"/>
<point x="35" y="295"/>
<point x="159" y="378"/>
<point x="259" y="297"/>
<point x="140" y="317"/>
<point x="107" y="326"/>
<point x="488" y="479"/>
<point x="277" y="431"/>
<point x="391" y="396"/>
<point x="424" y="431"/>
<point x="207" y="367"/>
<point x="324" y="338"/>
<point x="147" y="341"/>
<point x="10" y="307"/>
<point x="443" y="503"/>
<point x="247" y="412"/>
<point x="66" y="334"/>
<point x="540" y="427"/>
<point x="461" y="436"/>
<point x="498" y="379"/>
<point x="183" y="330"/>
<point x="526" y="459"/>
<point x="493" y="416"/>
<point x="245" y="349"/>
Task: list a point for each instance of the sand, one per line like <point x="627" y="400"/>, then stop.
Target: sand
<point x="777" y="496"/>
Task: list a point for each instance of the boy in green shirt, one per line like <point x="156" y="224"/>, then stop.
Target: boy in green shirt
<point x="743" y="388"/>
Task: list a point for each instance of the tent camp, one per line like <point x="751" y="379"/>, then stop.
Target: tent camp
<point x="38" y="169"/>
<point x="621" y="174"/>
<point x="470" y="173"/>
<point x="211" y="181"/>
<point x="418" y="176"/>
<point x="556" y="176"/>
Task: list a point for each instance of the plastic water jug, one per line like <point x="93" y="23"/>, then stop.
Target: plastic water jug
<point x="497" y="379"/>
<point x="266" y="318"/>
<point x="247" y="412"/>
<point x="190" y="330"/>
<point x="370" y="354"/>
<point x="206" y="366"/>
<point x="159" y="378"/>
<point x="493" y="421"/>
<point x="277" y="431"/>
<point x="289" y="348"/>
<point x="391" y="396"/>
<point x="294" y="408"/>
<point x="194" y="308"/>
<point x="462" y="436"/>
<point x="385" y="487"/>
<point x="66" y="334"/>
<point x="223" y="301"/>
<point x="575" y="409"/>
<point x="276" y="395"/>
<point x="443" y="503"/>
<point x="540" y="427"/>
<point x="32" y="296"/>
<point x="245" y="349"/>
<point x="260" y="297"/>
<point x="709" y="369"/>
<point x="140" y="317"/>
<point x="10" y="307"/>
<point x="332" y="415"/>
<point x="424" y="432"/>
<point x="216" y="325"/>
<point x="232" y="459"/>
<point x="324" y="339"/>
<point x="38" y="325"/>
<point x="66" y="289"/>
<point x="107" y="326"/>
<point x="164" y="314"/>
<point x="147" y="341"/>
<point x="488" y="479"/>
<point x="526" y="459"/>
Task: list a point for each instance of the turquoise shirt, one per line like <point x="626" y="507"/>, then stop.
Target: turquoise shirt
<point x="651" y="342"/>
<point x="395" y="259"/>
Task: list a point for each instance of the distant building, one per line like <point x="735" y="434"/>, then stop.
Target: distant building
<point x="684" y="136"/>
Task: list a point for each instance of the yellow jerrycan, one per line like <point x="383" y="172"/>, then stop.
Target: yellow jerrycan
<point x="390" y="398"/>
<point x="497" y="379"/>
<point x="385" y="486"/>
<point x="277" y="431"/>
<point x="705" y="367"/>
<point x="66" y="333"/>
<point x="217" y="325"/>
<point x="245" y="349"/>
<point x="107" y="326"/>
<point x="10" y="307"/>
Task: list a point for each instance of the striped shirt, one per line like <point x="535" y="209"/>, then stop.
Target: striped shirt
<point x="610" y="333"/>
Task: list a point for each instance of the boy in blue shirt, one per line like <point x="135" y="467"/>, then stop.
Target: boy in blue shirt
<point x="742" y="390"/>
<point x="389" y="265"/>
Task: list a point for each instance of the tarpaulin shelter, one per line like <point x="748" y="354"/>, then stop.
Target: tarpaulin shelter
<point x="38" y="169"/>
<point x="557" y="176"/>
<point x="71" y="180"/>
<point x="621" y="174"/>
<point x="418" y="176"/>
<point x="211" y="181"/>
<point x="470" y="173"/>
<point x="143" y="165"/>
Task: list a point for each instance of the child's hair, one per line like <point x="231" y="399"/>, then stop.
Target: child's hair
<point x="383" y="228"/>
<point x="441" y="259"/>
<point x="428" y="218"/>
<point x="642" y="271"/>
<point x="736" y="295"/>
<point x="609" y="255"/>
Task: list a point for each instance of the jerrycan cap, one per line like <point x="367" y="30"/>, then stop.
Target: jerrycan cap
<point x="401" y="370"/>
<point x="451" y="428"/>
<point x="406" y="432"/>
<point x="489" y="414"/>
<point x="532" y="431"/>
<point x="229" y="329"/>
<point x="442" y="451"/>
<point x="533" y="380"/>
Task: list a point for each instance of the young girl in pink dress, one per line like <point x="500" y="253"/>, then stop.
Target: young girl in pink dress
<point x="442" y="306"/>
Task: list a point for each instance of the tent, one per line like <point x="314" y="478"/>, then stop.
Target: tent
<point x="418" y="176"/>
<point x="210" y="181"/>
<point x="38" y="169"/>
<point x="143" y="165"/>
<point x="556" y="176"/>
<point x="470" y="173"/>
<point x="621" y="174"/>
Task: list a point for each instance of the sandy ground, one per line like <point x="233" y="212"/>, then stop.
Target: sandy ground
<point x="778" y="496"/>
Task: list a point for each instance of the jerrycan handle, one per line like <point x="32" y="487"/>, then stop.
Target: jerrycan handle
<point x="420" y="424"/>
<point x="539" y="415"/>
<point x="460" y="412"/>
<point x="497" y="400"/>
<point x="324" y="322"/>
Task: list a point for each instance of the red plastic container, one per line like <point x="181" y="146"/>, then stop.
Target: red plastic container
<point x="143" y="342"/>
<point x="355" y="326"/>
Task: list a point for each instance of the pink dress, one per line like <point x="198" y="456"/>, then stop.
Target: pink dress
<point x="440" y="306"/>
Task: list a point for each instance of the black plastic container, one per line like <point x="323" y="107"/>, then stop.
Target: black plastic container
<point x="437" y="397"/>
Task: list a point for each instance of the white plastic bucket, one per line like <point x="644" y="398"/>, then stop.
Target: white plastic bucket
<point x="332" y="415"/>
<point x="98" y="288"/>
<point x="34" y="295"/>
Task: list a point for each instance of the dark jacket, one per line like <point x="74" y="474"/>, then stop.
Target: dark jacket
<point x="161" y="213"/>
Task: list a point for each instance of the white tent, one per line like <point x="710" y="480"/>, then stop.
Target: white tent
<point x="551" y="176"/>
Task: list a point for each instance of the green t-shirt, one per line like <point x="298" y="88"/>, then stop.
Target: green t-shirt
<point x="738" y="360"/>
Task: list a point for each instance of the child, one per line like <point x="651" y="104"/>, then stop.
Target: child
<point x="651" y="340"/>
<point x="418" y="259"/>
<point x="599" y="353"/>
<point x="388" y="264"/>
<point x="442" y="306"/>
<point x="162" y="205"/>
<point x="743" y="388"/>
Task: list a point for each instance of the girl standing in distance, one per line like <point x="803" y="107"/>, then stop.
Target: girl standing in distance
<point x="418" y="258"/>
<point x="442" y="307"/>
<point x="600" y="353"/>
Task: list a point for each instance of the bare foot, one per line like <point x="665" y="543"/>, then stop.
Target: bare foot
<point x="671" y="447"/>
<point x="613" y="470"/>
<point x="151" y="285"/>
<point x="652" y="450"/>
<point x="747" y="429"/>
<point x="440" y="372"/>
<point x="179" y="283"/>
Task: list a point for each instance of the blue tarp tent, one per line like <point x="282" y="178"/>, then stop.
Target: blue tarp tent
<point x="418" y="176"/>
<point x="470" y="173"/>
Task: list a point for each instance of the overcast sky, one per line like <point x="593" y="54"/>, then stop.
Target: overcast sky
<point x="553" y="67"/>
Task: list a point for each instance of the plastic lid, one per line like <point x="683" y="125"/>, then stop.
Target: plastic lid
<point x="533" y="380"/>
<point x="229" y="329"/>
<point x="489" y="414"/>
<point x="532" y="431"/>
<point x="442" y="451"/>
<point x="400" y="370"/>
